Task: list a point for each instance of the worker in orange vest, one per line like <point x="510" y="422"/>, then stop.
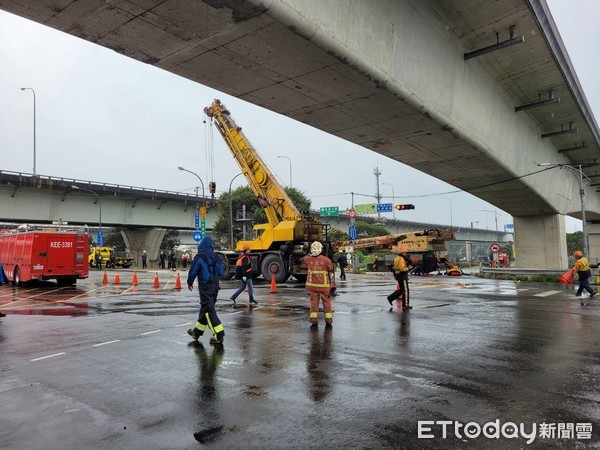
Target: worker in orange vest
<point x="400" y="269"/>
<point x="582" y="268"/>
<point x="319" y="282"/>
<point x="243" y="272"/>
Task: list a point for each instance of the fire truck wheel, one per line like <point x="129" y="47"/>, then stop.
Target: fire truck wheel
<point x="17" y="277"/>
<point x="273" y="265"/>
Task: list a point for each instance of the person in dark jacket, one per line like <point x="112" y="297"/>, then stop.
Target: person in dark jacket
<point x="243" y="272"/>
<point x="207" y="268"/>
<point x="343" y="262"/>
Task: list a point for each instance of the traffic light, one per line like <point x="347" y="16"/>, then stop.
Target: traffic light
<point x="404" y="207"/>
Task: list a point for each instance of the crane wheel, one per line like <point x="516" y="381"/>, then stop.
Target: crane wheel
<point x="272" y="265"/>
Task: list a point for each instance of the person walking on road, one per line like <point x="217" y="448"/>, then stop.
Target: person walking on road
<point x="243" y="272"/>
<point x="319" y="282"/>
<point x="582" y="268"/>
<point x="400" y="270"/>
<point x="207" y="268"/>
<point x="343" y="262"/>
<point x="184" y="259"/>
<point x="162" y="258"/>
<point x="144" y="260"/>
<point x="98" y="261"/>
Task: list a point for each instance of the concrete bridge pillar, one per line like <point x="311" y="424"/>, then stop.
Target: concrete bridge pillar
<point x="593" y="231"/>
<point x="144" y="239"/>
<point x="541" y="242"/>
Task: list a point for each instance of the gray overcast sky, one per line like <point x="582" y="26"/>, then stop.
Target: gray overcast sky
<point x="107" y="118"/>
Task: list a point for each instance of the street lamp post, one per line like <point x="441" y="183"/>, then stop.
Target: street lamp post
<point x="77" y="188"/>
<point x="581" y="198"/>
<point x="231" y="212"/>
<point x="290" y="161"/>
<point x="393" y="199"/>
<point x="450" y="201"/>
<point x="34" y="126"/>
<point x="473" y="223"/>
<point x="197" y="176"/>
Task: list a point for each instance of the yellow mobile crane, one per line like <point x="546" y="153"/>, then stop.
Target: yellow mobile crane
<point x="420" y="245"/>
<point x="279" y="244"/>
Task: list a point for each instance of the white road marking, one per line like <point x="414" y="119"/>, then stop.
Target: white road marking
<point x="183" y="324"/>
<point x="150" y="332"/>
<point x="547" y="293"/>
<point x="107" y="342"/>
<point x="49" y="356"/>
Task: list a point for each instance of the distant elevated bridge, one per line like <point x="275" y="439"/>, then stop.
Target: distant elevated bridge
<point x="145" y="214"/>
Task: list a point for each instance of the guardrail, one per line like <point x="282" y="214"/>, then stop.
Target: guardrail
<point x="520" y="271"/>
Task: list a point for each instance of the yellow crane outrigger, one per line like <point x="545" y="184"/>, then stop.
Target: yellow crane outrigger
<point x="279" y="244"/>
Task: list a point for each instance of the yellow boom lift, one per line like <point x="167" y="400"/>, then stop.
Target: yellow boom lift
<point x="279" y="244"/>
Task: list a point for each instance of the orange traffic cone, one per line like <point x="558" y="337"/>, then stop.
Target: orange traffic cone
<point x="567" y="277"/>
<point x="178" y="282"/>
<point x="105" y="278"/>
<point x="134" y="281"/>
<point x="117" y="278"/>
<point x="273" y="284"/>
<point x="156" y="283"/>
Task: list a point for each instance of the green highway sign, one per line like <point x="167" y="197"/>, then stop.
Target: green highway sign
<point x="329" y="211"/>
<point x="369" y="208"/>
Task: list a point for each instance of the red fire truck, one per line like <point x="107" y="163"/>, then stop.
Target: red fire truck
<point x="30" y="254"/>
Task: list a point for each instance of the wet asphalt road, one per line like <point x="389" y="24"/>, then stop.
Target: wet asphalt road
<point x="111" y="366"/>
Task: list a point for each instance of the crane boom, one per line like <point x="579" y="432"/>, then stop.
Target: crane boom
<point x="279" y="245"/>
<point x="270" y="194"/>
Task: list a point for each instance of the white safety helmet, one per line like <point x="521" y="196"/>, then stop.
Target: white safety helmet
<point x="316" y="248"/>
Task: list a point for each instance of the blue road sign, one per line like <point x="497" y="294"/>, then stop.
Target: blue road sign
<point x="353" y="233"/>
<point x="196" y="220"/>
<point x="100" y="239"/>
<point x="384" y="207"/>
<point x="198" y="236"/>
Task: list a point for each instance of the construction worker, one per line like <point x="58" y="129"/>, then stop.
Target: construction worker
<point x="207" y="267"/>
<point x="243" y="272"/>
<point x="319" y="282"/>
<point x="400" y="269"/>
<point x="582" y="268"/>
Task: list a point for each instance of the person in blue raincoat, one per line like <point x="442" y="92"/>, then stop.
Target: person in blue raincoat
<point x="207" y="268"/>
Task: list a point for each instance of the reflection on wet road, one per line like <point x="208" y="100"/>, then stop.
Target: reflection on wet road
<point x="110" y="366"/>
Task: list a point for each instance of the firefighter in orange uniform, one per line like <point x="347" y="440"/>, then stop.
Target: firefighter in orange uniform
<point x="319" y="282"/>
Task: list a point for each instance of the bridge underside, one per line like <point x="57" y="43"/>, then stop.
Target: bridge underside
<point x="391" y="79"/>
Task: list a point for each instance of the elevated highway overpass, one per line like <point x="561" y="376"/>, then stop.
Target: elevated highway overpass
<point x="436" y="85"/>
